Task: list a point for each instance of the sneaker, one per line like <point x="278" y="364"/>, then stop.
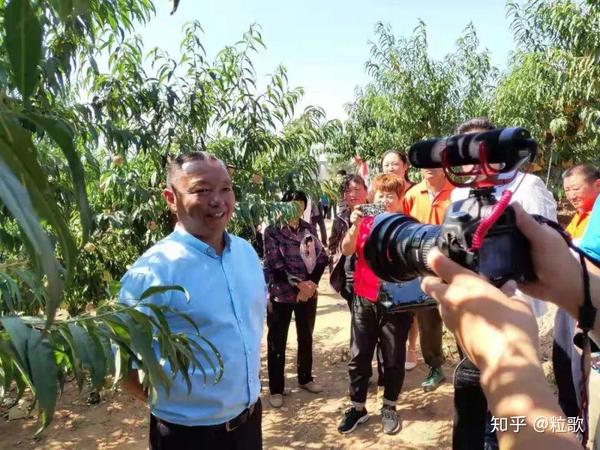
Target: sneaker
<point x="433" y="380"/>
<point x="312" y="386"/>
<point x="276" y="400"/>
<point x="390" y="420"/>
<point x="411" y="360"/>
<point x="352" y="418"/>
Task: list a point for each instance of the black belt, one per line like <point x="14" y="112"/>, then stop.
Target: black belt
<point x="228" y="426"/>
<point x="241" y="419"/>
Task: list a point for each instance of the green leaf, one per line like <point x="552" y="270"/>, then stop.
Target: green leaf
<point x="89" y="352"/>
<point x="65" y="7"/>
<point x="7" y="368"/>
<point x="63" y="136"/>
<point x="23" y="44"/>
<point x="140" y="331"/>
<point x="175" y="6"/>
<point x="19" y="334"/>
<point x="160" y="289"/>
<point x="113" y="288"/>
<point x="35" y="359"/>
<point x="44" y="374"/>
<point x="17" y="201"/>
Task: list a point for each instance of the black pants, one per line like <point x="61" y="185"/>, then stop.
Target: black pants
<point x="472" y="428"/>
<point x="430" y="336"/>
<point x="349" y="297"/>
<point x="169" y="436"/>
<point x="372" y="325"/>
<point x="561" y="365"/>
<point x="279" y="316"/>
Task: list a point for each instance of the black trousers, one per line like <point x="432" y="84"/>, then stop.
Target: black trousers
<point x="349" y="296"/>
<point x="169" y="436"/>
<point x="472" y="427"/>
<point x="561" y="364"/>
<point x="372" y="325"/>
<point x="279" y="316"/>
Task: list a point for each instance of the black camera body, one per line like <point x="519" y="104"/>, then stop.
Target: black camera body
<point x="504" y="253"/>
<point x="397" y="247"/>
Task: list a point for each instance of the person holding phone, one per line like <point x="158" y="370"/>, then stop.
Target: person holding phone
<point x="396" y="162"/>
<point x="371" y="323"/>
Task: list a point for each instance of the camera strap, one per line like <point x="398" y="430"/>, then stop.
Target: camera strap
<point x="586" y="319"/>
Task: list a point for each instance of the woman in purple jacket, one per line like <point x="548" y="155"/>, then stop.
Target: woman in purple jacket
<point x="295" y="260"/>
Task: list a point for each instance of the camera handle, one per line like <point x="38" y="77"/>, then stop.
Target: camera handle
<point x="488" y="222"/>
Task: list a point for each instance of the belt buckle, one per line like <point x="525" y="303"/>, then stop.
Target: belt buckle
<point x="241" y="419"/>
<point x="236" y="422"/>
<point x="229" y="427"/>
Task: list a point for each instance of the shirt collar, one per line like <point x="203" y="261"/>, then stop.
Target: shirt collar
<point x="582" y="215"/>
<point x="181" y="235"/>
<point x="422" y="186"/>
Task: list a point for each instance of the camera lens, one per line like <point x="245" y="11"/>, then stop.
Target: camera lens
<point x="397" y="247"/>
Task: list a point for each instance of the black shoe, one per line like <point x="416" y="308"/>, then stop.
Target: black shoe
<point x="352" y="418"/>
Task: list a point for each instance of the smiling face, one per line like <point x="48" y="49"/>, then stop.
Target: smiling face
<point x="580" y="192"/>
<point x="201" y="196"/>
<point x="355" y="194"/>
<point x="392" y="163"/>
<point x="391" y="201"/>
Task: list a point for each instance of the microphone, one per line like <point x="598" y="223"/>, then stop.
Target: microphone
<point x="507" y="147"/>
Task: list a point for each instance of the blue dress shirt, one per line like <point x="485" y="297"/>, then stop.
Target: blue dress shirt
<point x="228" y="298"/>
<point x="590" y="242"/>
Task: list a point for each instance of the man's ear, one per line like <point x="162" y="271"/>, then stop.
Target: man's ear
<point x="169" y="196"/>
<point x="597" y="185"/>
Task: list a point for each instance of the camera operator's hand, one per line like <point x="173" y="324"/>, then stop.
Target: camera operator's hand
<point x="559" y="275"/>
<point x="500" y="335"/>
<point x="488" y="325"/>
<point x="356" y="217"/>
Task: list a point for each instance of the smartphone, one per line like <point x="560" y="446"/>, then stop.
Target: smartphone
<point x="371" y="209"/>
<point x="405" y="296"/>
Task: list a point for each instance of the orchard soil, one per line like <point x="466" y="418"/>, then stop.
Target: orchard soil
<point x="306" y="421"/>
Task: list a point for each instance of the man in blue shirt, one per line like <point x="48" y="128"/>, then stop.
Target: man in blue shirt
<point x="223" y="277"/>
<point x="590" y="242"/>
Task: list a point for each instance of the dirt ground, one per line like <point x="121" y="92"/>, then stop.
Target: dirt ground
<point x="306" y="421"/>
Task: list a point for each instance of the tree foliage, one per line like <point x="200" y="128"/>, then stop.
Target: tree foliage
<point x="83" y="148"/>
<point x="549" y="87"/>
<point x="412" y="96"/>
<point x="552" y="85"/>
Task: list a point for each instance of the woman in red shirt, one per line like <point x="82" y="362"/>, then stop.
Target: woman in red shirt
<point x="371" y="323"/>
<point x="396" y="162"/>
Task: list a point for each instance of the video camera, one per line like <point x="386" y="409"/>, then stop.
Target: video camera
<point x="479" y="232"/>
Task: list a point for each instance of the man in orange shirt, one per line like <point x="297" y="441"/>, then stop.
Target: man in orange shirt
<point x="427" y="202"/>
<point x="582" y="186"/>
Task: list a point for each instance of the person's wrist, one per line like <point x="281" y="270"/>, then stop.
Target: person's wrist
<point x="514" y="390"/>
<point x="517" y="357"/>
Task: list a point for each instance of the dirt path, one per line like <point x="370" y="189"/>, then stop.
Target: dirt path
<point x="306" y="420"/>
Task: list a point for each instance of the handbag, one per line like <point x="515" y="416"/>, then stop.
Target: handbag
<point x="403" y="297"/>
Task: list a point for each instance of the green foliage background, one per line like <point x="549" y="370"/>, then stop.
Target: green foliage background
<point x="83" y="148"/>
<point x="550" y="87"/>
